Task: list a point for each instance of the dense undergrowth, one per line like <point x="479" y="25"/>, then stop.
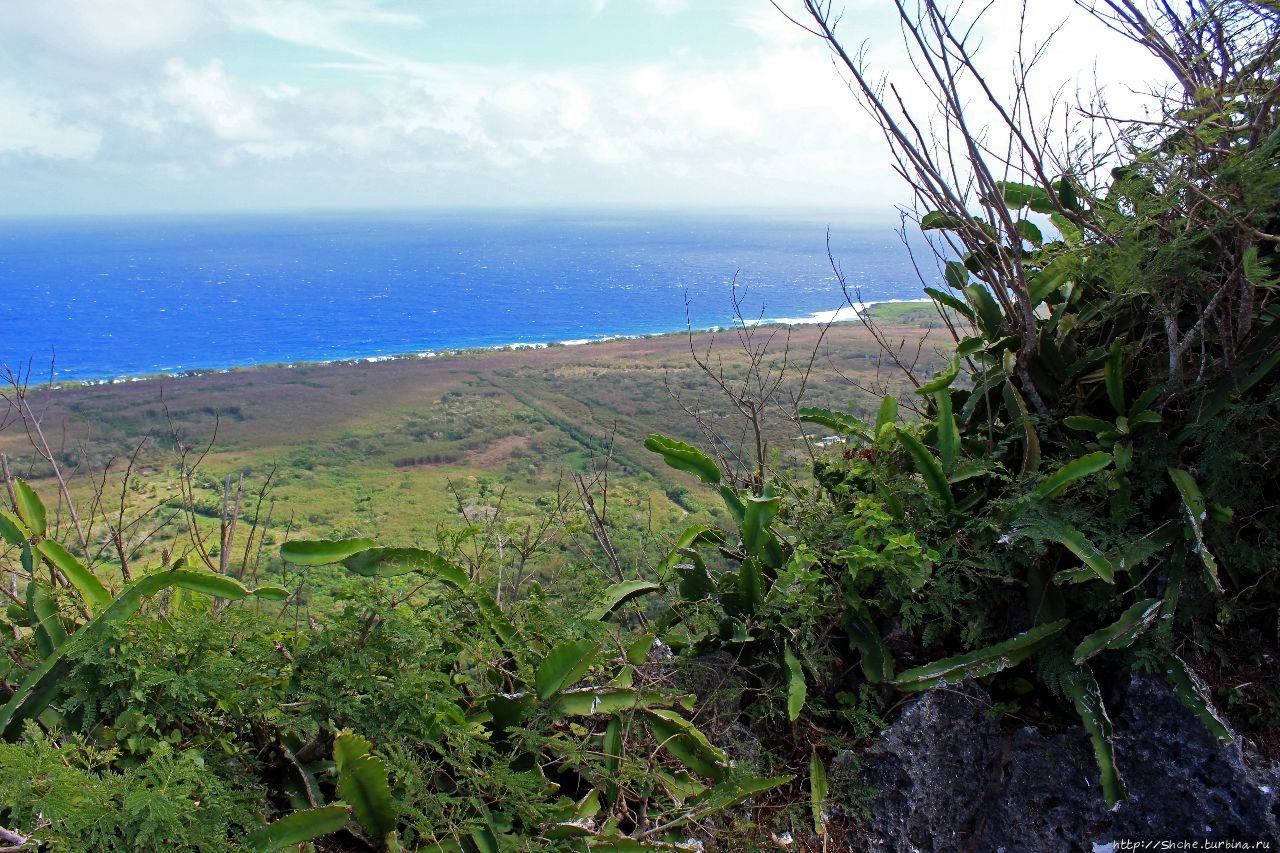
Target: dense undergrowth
<point x="1088" y="489"/>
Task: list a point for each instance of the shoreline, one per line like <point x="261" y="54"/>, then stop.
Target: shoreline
<point x="842" y="315"/>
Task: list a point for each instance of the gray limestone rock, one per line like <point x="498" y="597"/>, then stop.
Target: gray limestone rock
<point x="947" y="777"/>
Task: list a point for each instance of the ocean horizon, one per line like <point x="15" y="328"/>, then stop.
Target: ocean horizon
<point x="104" y="298"/>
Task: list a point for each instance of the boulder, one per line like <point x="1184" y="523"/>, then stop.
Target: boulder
<point x="949" y="777"/>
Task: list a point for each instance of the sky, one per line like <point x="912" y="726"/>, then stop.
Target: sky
<point x="153" y="106"/>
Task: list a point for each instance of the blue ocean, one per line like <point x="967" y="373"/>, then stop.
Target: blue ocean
<point x="104" y="298"/>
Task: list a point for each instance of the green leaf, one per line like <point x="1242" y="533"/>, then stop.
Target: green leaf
<point x="1017" y="408"/>
<point x="584" y="702"/>
<point x="347" y="747"/>
<point x="936" y="219"/>
<point x="588" y="701"/>
<point x="796" y="687"/>
<point x="321" y="552"/>
<point x="12" y="530"/>
<point x="691" y="536"/>
<point x="45" y="610"/>
<point x="733" y="503"/>
<point x="611" y="745"/>
<point x="638" y="649"/>
<point x="362" y="782"/>
<point x="618" y="594"/>
<point x="298" y="828"/>
<point x="1084" y="423"/>
<point x="1121" y="633"/>
<point x="208" y="583"/>
<point x="563" y="666"/>
<point x="271" y="592"/>
<point x="942" y="379"/>
<point x="1082" y="688"/>
<point x="948" y="432"/>
<point x="95" y="595"/>
<point x="876" y="660"/>
<point x="690" y="746"/>
<point x="957" y="305"/>
<point x="976" y="664"/>
<point x="928" y="467"/>
<point x="1017" y="195"/>
<point x="30" y="509"/>
<point x="1054" y="274"/>
<point x="1075" y="542"/>
<point x="755" y="523"/>
<point x="1196" y="513"/>
<point x="956" y="275"/>
<point x="990" y="317"/>
<point x="1194" y="695"/>
<point x="817" y="791"/>
<point x="1113" y="377"/>
<point x="1074" y="470"/>
<point x="835" y="421"/>
<point x="887" y="414"/>
<point x="684" y="457"/>
<point x="393" y="562"/>
<point x="1028" y="231"/>
<point x="750" y="587"/>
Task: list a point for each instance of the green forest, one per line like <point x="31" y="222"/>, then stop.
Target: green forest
<point x="657" y="629"/>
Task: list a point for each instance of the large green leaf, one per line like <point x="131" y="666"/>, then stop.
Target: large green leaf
<point x="1197" y="513"/>
<point x="1074" y="470"/>
<point x="1076" y="542"/>
<point x="392" y="562"/>
<point x="691" y="536"/>
<point x="957" y="305"/>
<point x="876" y="660"/>
<point x="587" y="701"/>
<point x="948" y="433"/>
<point x="937" y="219"/>
<point x="12" y="530"/>
<point x="1017" y="408"/>
<point x="990" y="316"/>
<point x="619" y="594"/>
<point x="1082" y="688"/>
<point x="679" y="737"/>
<point x="30" y="508"/>
<point x="750" y="587"/>
<point x="835" y="421"/>
<point x="362" y="782"/>
<point x="565" y="664"/>
<point x="942" y="379"/>
<point x="95" y="595"/>
<point x="755" y="523"/>
<point x="928" y="467"/>
<point x="298" y="828"/>
<point x="887" y="414"/>
<point x="1121" y="633"/>
<point x="1193" y="694"/>
<point x="817" y="791"/>
<point x="976" y="664"/>
<point x="321" y="552"/>
<point x="684" y="457"/>
<point x="48" y="623"/>
<point x="796" y="687"/>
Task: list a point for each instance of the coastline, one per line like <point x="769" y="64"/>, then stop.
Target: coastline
<point x="844" y="314"/>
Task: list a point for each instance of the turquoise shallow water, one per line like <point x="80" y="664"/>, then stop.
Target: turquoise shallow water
<point x="114" y="297"/>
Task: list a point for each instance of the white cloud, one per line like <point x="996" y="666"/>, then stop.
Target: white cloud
<point x="35" y="127"/>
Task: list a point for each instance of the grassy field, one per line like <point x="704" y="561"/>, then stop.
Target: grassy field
<point x="395" y="450"/>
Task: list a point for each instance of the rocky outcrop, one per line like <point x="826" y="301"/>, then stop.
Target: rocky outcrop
<point x="948" y="777"/>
